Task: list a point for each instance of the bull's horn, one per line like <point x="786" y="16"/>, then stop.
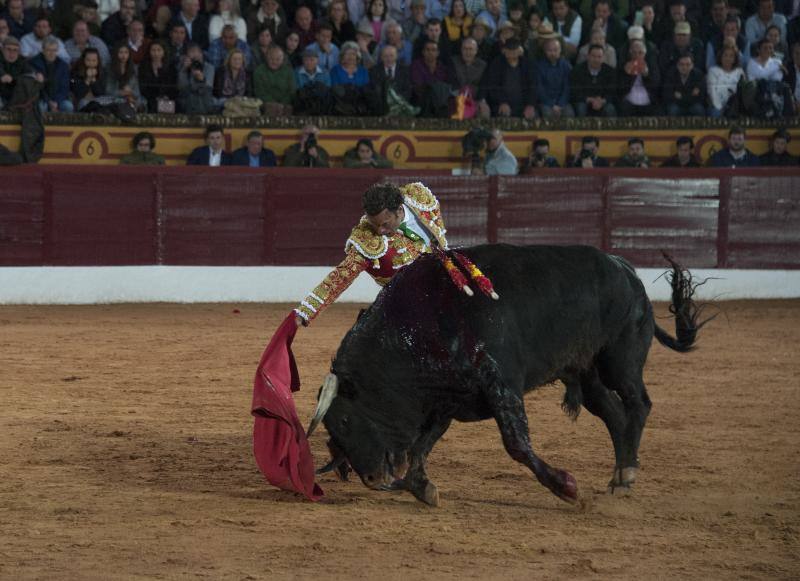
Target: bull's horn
<point x="329" y="389"/>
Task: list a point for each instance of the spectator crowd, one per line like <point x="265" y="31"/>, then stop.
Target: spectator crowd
<point x="432" y="58"/>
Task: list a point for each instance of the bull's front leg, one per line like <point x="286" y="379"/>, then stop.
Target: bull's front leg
<point x="416" y="478"/>
<point x="509" y="413"/>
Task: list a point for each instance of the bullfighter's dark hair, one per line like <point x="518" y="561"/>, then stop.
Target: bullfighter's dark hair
<point x="380" y="197"/>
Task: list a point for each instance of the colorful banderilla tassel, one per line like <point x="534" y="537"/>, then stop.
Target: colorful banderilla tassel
<point x="475" y="273"/>
<point x="455" y="274"/>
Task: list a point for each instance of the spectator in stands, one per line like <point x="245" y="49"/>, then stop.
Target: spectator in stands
<point x="434" y="32"/>
<point x="637" y="33"/>
<point x="157" y="77"/>
<point x="138" y="44"/>
<point x="20" y="21"/>
<point x="213" y="153"/>
<point x="398" y="10"/>
<point x="505" y="32"/>
<point x="793" y="75"/>
<point x="221" y="47"/>
<point x="735" y="154"/>
<point x="499" y="159"/>
<point x="682" y="42"/>
<point x="159" y="26"/>
<point x="552" y="83"/>
<point x="780" y="50"/>
<point x="730" y="34"/>
<point x="539" y="158"/>
<point x="254" y="154"/>
<point x="377" y="18"/>
<point x="431" y="82"/>
<point x="196" y="22"/>
<point x="292" y="52"/>
<point x="650" y="20"/>
<point x="343" y="29"/>
<point x="53" y="73"/>
<point x="415" y="26"/>
<point x="529" y="35"/>
<point x="260" y="47"/>
<point x="635" y="157"/>
<point x="273" y="83"/>
<point x="394" y="37"/>
<point x="178" y="45"/>
<point x="327" y="52"/>
<point x="568" y="24"/>
<point x="122" y="81"/>
<point x="610" y="23"/>
<point x="86" y="10"/>
<point x="308" y="152"/>
<point x="88" y="81"/>
<point x="639" y="82"/>
<point x="438" y="9"/>
<point x="712" y="26"/>
<point x="508" y="86"/>
<point x="232" y="79"/>
<point x="598" y="38"/>
<point x="684" y="156"/>
<point x="5" y="32"/>
<point x="391" y="73"/>
<point x="458" y="22"/>
<point x="227" y="15"/>
<point x="764" y="66"/>
<point x="587" y="155"/>
<point x="480" y="34"/>
<point x="196" y="85"/>
<point x="777" y="154"/>
<point x="594" y="85"/>
<point x="31" y="43"/>
<point x="81" y="40"/>
<point x="723" y="79"/>
<point x="143" y="145"/>
<point x="311" y="72"/>
<point x="366" y="45"/>
<point x="349" y="70"/>
<point x="756" y="26"/>
<point x="268" y="16"/>
<point x="684" y="93"/>
<point x="468" y="68"/>
<point x="305" y="26"/>
<point x="493" y="15"/>
<point x="12" y="67"/>
<point x="364" y="156"/>
<point x="115" y="27"/>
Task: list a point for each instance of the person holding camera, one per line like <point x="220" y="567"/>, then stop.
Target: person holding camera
<point x="636" y="156"/>
<point x="306" y="153"/>
<point x="539" y="158"/>
<point x="587" y="156"/>
<point x="195" y="83"/>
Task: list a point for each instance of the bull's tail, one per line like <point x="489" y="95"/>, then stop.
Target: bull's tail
<point x="683" y="308"/>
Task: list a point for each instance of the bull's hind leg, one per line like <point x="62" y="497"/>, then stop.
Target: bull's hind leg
<point x="509" y="413"/>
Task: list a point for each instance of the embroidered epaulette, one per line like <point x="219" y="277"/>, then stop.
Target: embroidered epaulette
<point x="420" y="197"/>
<point x="364" y="239"/>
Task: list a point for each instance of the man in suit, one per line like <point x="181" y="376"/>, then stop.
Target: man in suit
<point x="213" y="153"/>
<point x="254" y="154"/>
<point x="195" y="22"/>
<point x="390" y="73"/>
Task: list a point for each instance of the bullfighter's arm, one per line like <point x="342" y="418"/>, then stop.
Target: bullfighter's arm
<point x="339" y="279"/>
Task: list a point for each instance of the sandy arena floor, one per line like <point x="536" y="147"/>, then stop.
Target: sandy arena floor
<point x="125" y="454"/>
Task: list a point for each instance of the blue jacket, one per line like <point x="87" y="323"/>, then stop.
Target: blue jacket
<point x="201" y="155"/>
<point x="552" y="82"/>
<point x="723" y="158"/>
<point x="61" y="74"/>
<point x="242" y="157"/>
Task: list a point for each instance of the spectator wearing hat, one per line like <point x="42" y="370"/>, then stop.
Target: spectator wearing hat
<point x="480" y="33"/>
<point x="639" y="83"/>
<point x="568" y="23"/>
<point x="493" y="15"/>
<point x="394" y="37"/>
<point x="414" y="27"/>
<point x="505" y="32"/>
<point x="12" y="67"/>
<point x="349" y="71"/>
<point x="365" y="41"/>
<point x="755" y="28"/>
<point x="635" y="156"/>
<point x="682" y="42"/>
<point x="143" y="145"/>
<point x="735" y="154"/>
<point x="544" y="33"/>
<point x="637" y="33"/>
<point x="508" y="86"/>
<point x="593" y="85"/>
<point x="685" y="154"/>
<point x="327" y="52"/>
<point x="254" y="154"/>
<point x="552" y="74"/>
<point x="684" y="92"/>
<point x="777" y="154"/>
<point x="612" y="25"/>
<point x="310" y="71"/>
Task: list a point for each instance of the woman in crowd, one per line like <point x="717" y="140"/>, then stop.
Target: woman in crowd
<point x="376" y="18"/>
<point x="260" y="47"/>
<point x="157" y="77"/>
<point x="364" y="156"/>
<point x="349" y="70"/>
<point x="231" y="79"/>
<point x="343" y="29"/>
<point x="530" y="36"/>
<point x="764" y="65"/>
<point x="87" y="81"/>
<point x="458" y="23"/>
<point x="228" y="14"/>
<point x="598" y="36"/>
<point x="294" y="56"/>
<point x="779" y="49"/>
<point x="639" y="82"/>
<point x="723" y="78"/>
<point x="122" y="81"/>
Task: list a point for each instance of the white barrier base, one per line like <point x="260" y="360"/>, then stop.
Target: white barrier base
<point x="189" y="284"/>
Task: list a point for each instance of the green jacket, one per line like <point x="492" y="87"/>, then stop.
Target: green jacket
<point x="294" y="157"/>
<point x="142" y="158"/>
<point x="352" y="161"/>
<point x="274" y="86"/>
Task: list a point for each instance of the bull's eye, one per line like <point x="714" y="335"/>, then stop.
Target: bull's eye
<point x="345" y="421"/>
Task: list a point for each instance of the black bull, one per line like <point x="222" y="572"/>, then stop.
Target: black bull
<point x="425" y="354"/>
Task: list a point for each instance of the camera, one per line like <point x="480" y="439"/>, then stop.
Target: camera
<point x="585" y="153"/>
<point x="472" y="144"/>
<point x="196" y="66"/>
<point x="311" y="141"/>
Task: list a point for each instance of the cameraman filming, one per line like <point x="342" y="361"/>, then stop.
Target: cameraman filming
<point x="195" y="83"/>
<point x="587" y="156"/>
<point x="306" y="153"/>
<point x="540" y="157"/>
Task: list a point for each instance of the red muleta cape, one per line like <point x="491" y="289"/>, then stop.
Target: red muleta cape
<point x="279" y="440"/>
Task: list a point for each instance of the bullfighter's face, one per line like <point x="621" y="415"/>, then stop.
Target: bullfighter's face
<point x="387" y="222"/>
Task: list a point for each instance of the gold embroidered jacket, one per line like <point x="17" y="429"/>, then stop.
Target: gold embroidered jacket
<point x="380" y="256"/>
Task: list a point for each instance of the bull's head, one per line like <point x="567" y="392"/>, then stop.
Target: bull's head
<point x="356" y="435"/>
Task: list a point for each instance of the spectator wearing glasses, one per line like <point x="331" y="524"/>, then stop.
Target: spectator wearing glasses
<point x="12" y="67"/>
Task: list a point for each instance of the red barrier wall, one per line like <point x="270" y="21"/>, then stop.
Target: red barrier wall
<point x="93" y="216"/>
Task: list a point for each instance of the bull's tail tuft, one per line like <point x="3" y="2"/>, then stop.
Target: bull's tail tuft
<point x="683" y="308"/>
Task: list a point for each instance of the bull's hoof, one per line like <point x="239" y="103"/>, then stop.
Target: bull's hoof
<point x="428" y="493"/>
<point x="622" y="480"/>
<point x="568" y="489"/>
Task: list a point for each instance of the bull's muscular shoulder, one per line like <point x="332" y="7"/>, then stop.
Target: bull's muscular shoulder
<point x="366" y="242"/>
<point x="419" y="196"/>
